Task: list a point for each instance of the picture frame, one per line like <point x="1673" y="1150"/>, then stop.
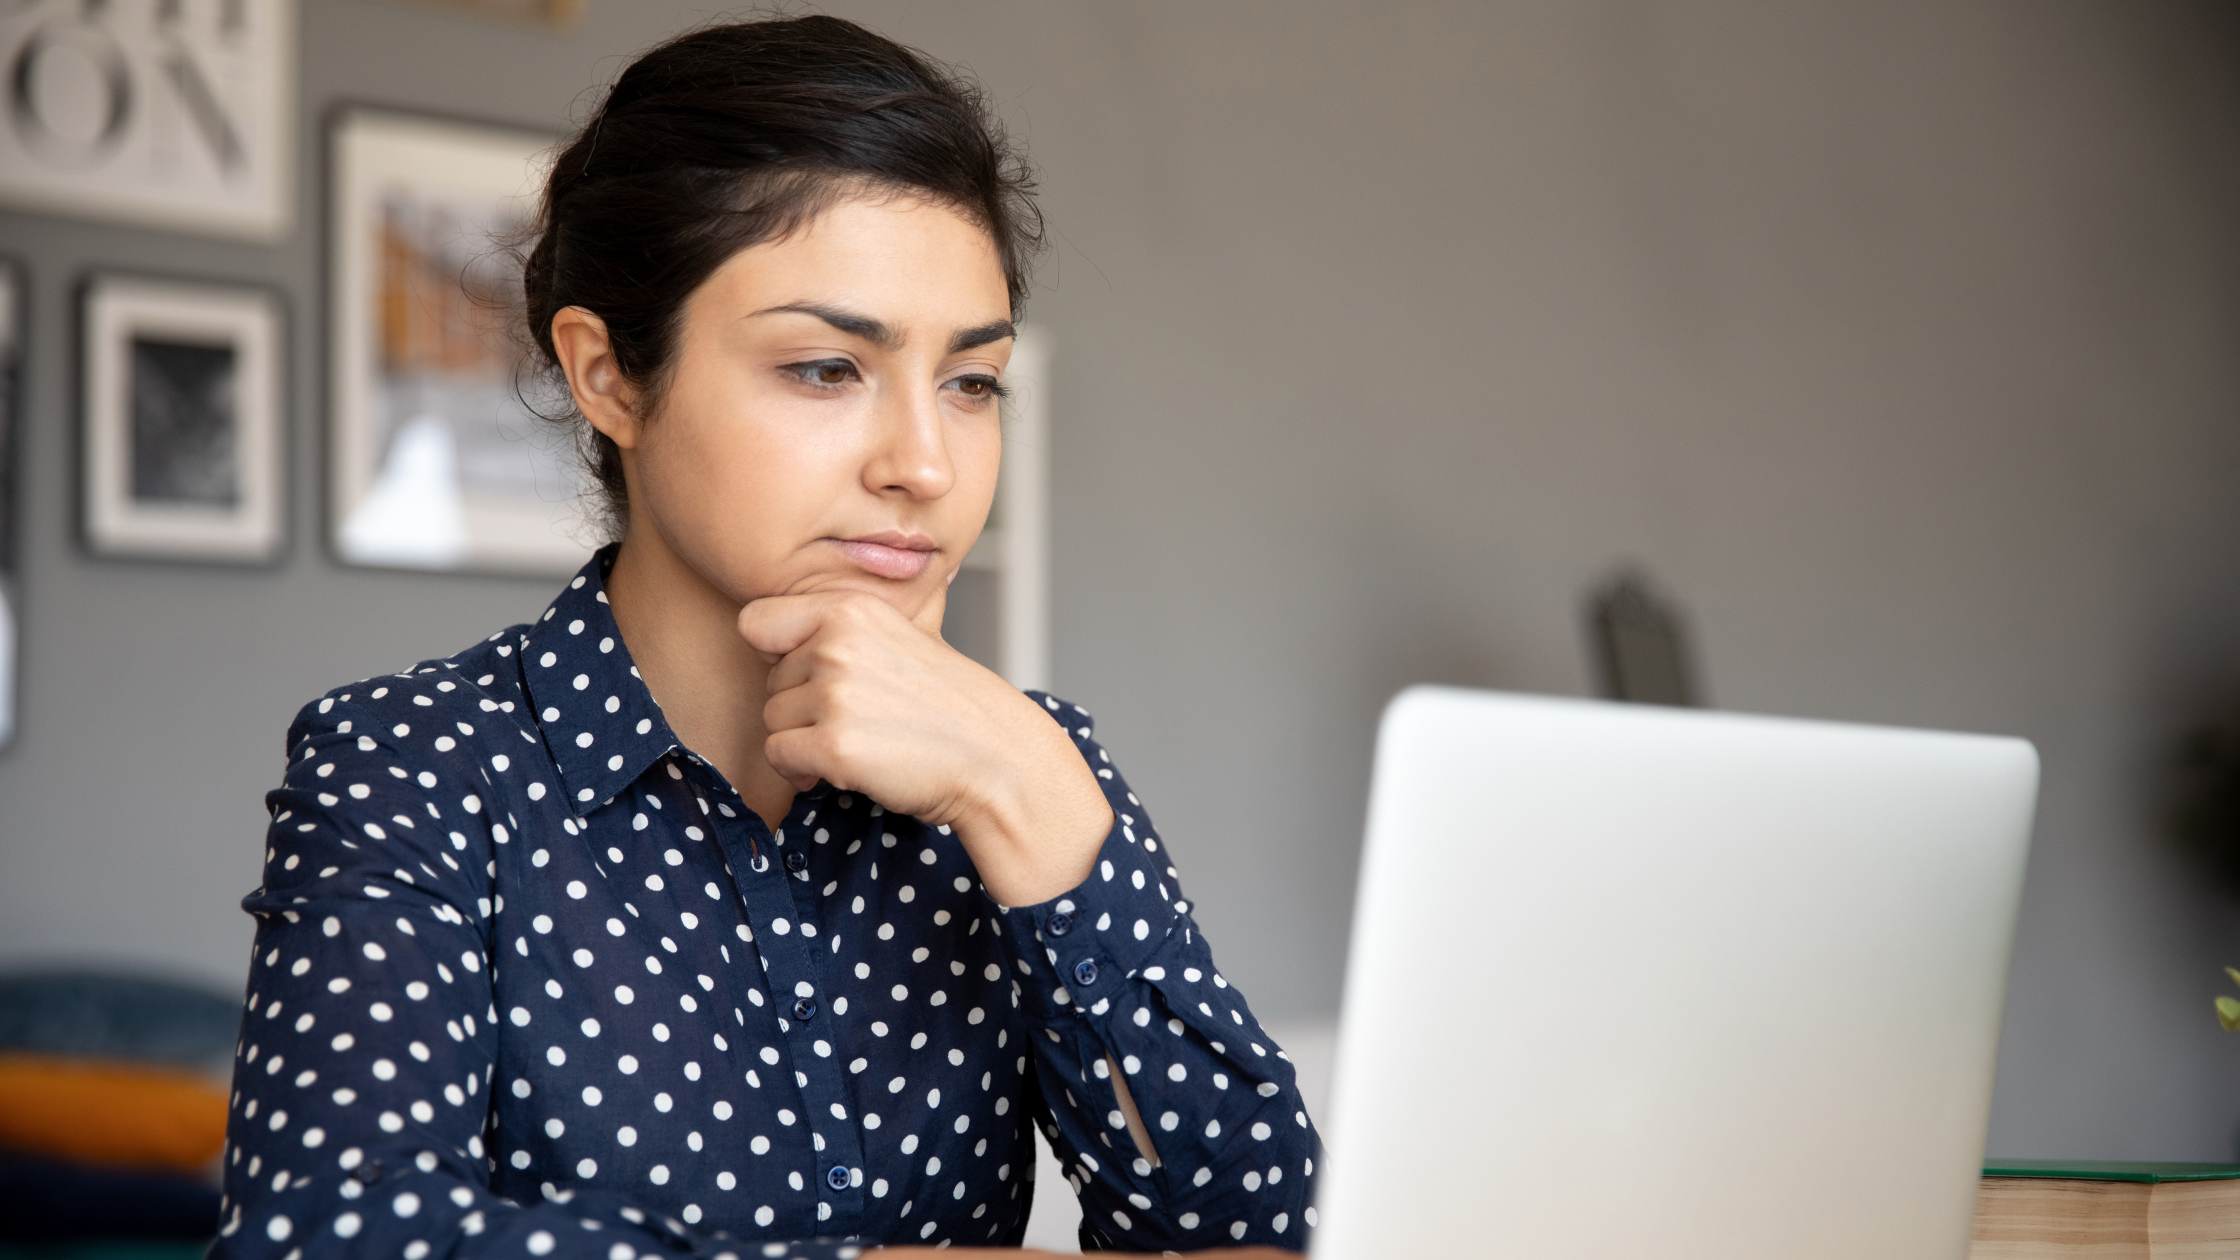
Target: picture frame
<point x="171" y="114"/>
<point x="14" y="302"/>
<point x="436" y="462"/>
<point x="182" y="444"/>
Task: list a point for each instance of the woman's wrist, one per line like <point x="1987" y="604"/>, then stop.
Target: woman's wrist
<point x="1035" y="825"/>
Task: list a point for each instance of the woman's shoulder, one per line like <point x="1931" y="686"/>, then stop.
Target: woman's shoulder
<point x="461" y="693"/>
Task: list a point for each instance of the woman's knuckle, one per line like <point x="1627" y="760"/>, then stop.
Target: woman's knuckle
<point x="842" y="745"/>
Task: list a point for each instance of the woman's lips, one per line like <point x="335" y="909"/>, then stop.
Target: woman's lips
<point x="884" y="559"/>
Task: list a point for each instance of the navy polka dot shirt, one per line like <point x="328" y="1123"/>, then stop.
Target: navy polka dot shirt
<point x="530" y="980"/>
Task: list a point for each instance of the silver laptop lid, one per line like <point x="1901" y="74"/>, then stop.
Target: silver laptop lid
<point x="1640" y="982"/>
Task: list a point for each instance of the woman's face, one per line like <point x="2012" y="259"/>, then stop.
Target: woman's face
<point x="832" y="420"/>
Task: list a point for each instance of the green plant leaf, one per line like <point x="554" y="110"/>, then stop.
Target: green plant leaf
<point x="2228" y="1013"/>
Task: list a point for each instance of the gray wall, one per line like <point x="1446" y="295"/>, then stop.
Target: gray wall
<point x="1899" y="338"/>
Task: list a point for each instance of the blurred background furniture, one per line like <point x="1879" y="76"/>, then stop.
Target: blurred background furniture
<point x="112" y="1115"/>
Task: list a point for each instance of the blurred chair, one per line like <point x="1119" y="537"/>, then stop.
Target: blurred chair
<point x="112" y="1115"/>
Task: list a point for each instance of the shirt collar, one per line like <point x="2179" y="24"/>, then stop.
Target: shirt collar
<point x="599" y="721"/>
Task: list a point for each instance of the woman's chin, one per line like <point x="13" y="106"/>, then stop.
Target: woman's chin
<point x="907" y="598"/>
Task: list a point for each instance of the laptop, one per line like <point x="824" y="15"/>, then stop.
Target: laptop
<point x="1641" y="982"/>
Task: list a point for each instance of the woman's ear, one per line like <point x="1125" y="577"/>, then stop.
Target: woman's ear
<point x="579" y="341"/>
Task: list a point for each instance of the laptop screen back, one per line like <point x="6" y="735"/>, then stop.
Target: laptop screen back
<point x="1640" y="982"/>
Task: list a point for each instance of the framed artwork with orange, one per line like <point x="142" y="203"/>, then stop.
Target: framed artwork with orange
<point x="437" y="456"/>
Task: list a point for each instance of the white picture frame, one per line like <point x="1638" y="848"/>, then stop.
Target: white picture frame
<point x="435" y="462"/>
<point x="173" y="114"/>
<point x="181" y="420"/>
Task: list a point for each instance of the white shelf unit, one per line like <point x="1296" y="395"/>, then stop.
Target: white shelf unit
<point x="1015" y="547"/>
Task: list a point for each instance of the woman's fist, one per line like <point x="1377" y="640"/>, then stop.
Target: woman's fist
<point x="873" y="702"/>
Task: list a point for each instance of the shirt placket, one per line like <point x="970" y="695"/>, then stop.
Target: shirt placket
<point x="795" y="971"/>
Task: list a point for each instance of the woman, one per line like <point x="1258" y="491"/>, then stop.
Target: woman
<point x="725" y="903"/>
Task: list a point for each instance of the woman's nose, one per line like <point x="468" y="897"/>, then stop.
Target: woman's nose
<point x="910" y="450"/>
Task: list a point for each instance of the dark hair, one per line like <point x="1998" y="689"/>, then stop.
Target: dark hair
<point x="733" y="135"/>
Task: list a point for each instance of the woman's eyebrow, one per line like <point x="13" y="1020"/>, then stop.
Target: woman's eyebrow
<point x="972" y="338"/>
<point x="863" y="326"/>
<point x="880" y="334"/>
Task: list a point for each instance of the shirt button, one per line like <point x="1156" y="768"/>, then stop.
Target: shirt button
<point x="796" y="860"/>
<point x="805" y="1009"/>
<point x="1085" y="972"/>
<point x="367" y="1173"/>
<point x="837" y="1178"/>
<point x="1059" y="924"/>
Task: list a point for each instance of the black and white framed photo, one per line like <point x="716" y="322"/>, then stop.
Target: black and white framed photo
<point x="437" y="461"/>
<point x="12" y="297"/>
<point x="180" y="414"/>
<point x="174" y="114"/>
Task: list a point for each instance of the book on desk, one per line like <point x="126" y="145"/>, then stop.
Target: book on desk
<point x="2106" y="1210"/>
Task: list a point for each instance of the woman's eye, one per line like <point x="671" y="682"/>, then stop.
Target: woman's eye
<point x="824" y="371"/>
<point x="979" y="387"/>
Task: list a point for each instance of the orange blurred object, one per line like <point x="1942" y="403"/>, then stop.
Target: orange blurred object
<point x="119" y="1114"/>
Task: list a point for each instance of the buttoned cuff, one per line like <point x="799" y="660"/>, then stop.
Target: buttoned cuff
<point x="1075" y="949"/>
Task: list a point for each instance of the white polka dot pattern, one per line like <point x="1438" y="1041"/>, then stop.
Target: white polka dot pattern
<point x="530" y="980"/>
